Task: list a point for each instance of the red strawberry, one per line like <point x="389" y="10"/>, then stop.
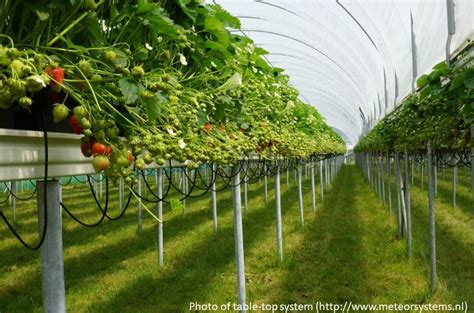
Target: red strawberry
<point x="207" y="126"/>
<point x="130" y="157"/>
<point x="86" y="147"/>
<point x="57" y="75"/>
<point x="74" y="125"/>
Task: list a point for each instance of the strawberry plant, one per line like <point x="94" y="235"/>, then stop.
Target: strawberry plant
<point x="154" y="80"/>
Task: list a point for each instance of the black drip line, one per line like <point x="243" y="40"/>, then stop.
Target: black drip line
<point x="14" y="195"/>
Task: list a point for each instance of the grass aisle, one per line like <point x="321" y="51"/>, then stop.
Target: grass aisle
<point x="348" y="251"/>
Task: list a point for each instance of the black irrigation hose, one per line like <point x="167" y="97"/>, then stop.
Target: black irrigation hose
<point x="97" y="180"/>
<point x="68" y="182"/>
<point x="185" y="195"/>
<point x="103" y="210"/>
<point x="18" y="198"/>
<point x="79" y="181"/>
<point x="45" y="197"/>
<point x="157" y="199"/>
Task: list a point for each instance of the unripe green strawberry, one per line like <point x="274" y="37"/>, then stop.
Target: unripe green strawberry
<point x="138" y="72"/>
<point x="60" y="112"/>
<point x="13" y="53"/>
<point x="146" y="95"/>
<point x="110" y="56"/>
<point x="147" y="158"/>
<point x="80" y="111"/>
<point x="35" y="83"/>
<point x="17" y="68"/>
<point x="100" y="163"/>
<point x="25" y="102"/>
<point x="160" y="161"/>
<point x="122" y="161"/>
<point x="17" y="87"/>
<point x="112" y="132"/>
<point x="96" y="77"/>
<point x="85" y="67"/>
<point x="140" y="164"/>
<point x="84" y="123"/>
<point x="6" y="98"/>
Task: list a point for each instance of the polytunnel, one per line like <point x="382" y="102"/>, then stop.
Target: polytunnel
<point x="236" y="156"/>
<point x="355" y="60"/>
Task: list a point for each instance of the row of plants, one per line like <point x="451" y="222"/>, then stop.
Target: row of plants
<point x="146" y="81"/>
<point x="441" y="111"/>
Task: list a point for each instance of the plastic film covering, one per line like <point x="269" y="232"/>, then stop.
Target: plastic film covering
<point x="353" y="60"/>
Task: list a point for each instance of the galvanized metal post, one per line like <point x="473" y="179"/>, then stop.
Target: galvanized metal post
<point x="455" y="180"/>
<point x="382" y="175"/>
<point x="100" y="186"/>
<point x="400" y="198"/>
<point x="432" y="212"/>
<point x="321" y="183"/>
<point x="265" y="181"/>
<point x="214" y="197"/>
<point x="300" y="195"/>
<point x="389" y="185"/>
<point x="159" y="208"/>
<point x="238" y="235"/>
<point x="246" y="202"/>
<point x="185" y="187"/>
<point x="52" y="263"/>
<point x="408" y="202"/>
<point x="279" y="228"/>
<point x="139" y="204"/>
<point x="120" y="193"/>
<point x="13" y="198"/>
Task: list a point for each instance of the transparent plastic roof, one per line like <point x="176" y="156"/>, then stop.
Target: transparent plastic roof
<point x="352" y="59"/>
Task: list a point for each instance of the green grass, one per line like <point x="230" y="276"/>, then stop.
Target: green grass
<point x="349" y="250"/>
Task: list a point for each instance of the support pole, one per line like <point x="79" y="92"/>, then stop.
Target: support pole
<point x="321" y="182"/>
<point x="382" y="172"/>
<point x="100" y="186"/>
<point x="300" y="195"/>
<point x="279" y="228"/>
<point x="139" y="204"/>
<point x="313" y="190"/>
<point x="400" y="198"/>
<point x="214" y="197"/>
<point x="52" y="263"/>
<point x="422" y="173"/>
<point x="159" y="208"/>
<point x="185" y="187"/>
<point x="408" y="202"/>
<point x="246" y="200"/>
<point x="120" y="194"/>
<point x="265" y="181"/>
<point x="238" y="234"/>
<point x="455" y="181"/>
<point x="389" y="185"/>
<point x="431" y="204"/>
<point x="13" y="198"/>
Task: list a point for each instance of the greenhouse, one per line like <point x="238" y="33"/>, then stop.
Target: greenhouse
<point x="236" y="156"/>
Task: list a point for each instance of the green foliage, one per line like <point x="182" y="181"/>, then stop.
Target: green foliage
<point x="159" y="71"/>
<point x="441" y="111"/>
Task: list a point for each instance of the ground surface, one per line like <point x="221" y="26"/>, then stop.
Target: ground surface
<point x="349" y="250"/>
